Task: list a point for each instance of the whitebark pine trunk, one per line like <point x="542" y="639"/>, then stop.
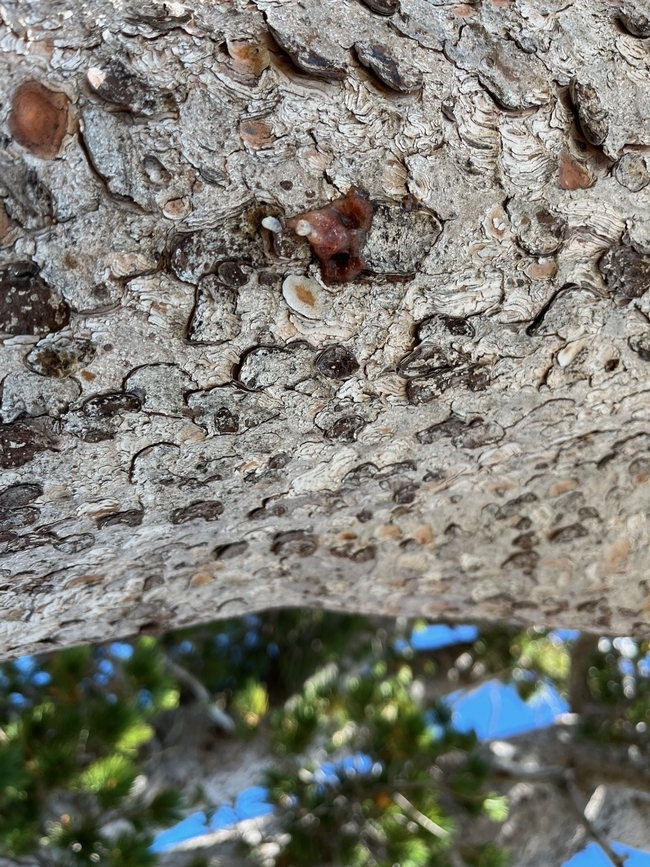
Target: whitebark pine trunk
<point x="459" y="432"/>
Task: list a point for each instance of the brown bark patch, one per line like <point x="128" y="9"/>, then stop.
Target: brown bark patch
<point x="573" y="176"/>
<point x="38" y="118"/>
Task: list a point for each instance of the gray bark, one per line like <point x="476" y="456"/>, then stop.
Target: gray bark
<point x="459" y="432"/>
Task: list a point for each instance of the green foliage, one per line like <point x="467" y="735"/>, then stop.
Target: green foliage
<point x="110" y="779"/>
<point x="496" y="807"/>
<point x="382" y="807"/>
<point x="279" y="648"/>
<point x="251" y="704"/>
<point x="74" y="739"/>
<point x="487" y="855"/>
<point x="365" y="775"/>
<point x="532" y="659"/>
<point x="618" y="679"/>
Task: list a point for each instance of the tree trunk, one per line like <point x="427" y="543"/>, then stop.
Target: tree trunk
<point x="197" y="424"/>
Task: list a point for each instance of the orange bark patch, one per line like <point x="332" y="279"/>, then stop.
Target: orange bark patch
<point x="38" y="119"/>
<point x="573" y="176"/>
<point x="562" y="487"/>
<point x="85" y="579"/>
<point x="199" y="579"/>
<point x="617" y="555"/>
<point x="256" y="133"/>
<point x="5" y="223"/>
<point x="423" y="535"/>
<point x="248" y="58"/>
<point x="541" y="269"/>
<point x="388" y="531"/>
<point x="304" y="294"/>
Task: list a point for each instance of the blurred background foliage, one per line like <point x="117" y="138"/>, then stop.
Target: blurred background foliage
<point x="368" y="770"/>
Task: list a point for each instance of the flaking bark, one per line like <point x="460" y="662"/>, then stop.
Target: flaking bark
<point x="461" y="432"/>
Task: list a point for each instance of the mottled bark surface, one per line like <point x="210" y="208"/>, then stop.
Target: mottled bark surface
<point x="195" y="425"/>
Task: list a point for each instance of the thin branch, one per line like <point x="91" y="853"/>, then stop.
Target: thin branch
<point x="580" y="697"/>
<point x="216" y="714"/>
<point x="420" y="818"/>
<point x="594" y="833"/>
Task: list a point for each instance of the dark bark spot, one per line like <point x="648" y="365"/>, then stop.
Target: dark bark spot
<point x="568" y="533"/>
<point x="295" y="543"/>
<point x="267" y="278"/>
<point x="111" y="404"/>
<point x="59" y="356"/>
<point x="336" y="362"/>
<point x="626" y="272"/>
<point x="16" y="496"/>
<point x="383" y="7"/>
<point x="11" y="543"/>
<point x="451" y="427"/>
<point x="75" y="544"/>
<point x="523" y="561"/>
<point x="376" y="57"/>
<point x="434" y="475"/>
<point x="268" y="508"/>
<point x="479" y="434"/>
<point x="512" y="507"/>
<point x="397" y="469"/>
<point x="232" y="274"/>
<point x="346" y="429"/>
<point x="359" y="475"/>
<point x="115" y="83"/>
<point x="209" y="510"/>
<point x="128" y="518"/>
<point x="406" y="494"/>
<point x="279" y="461"/>
<point x="474" y="377"/>
<point x="527" y="541"/>
<point x="641" y="345"/>
<point x="225" y="421"/>
<point x="229" y="551"/>
<point x="15" y="519"/>
<point x="438" y="326"/>
<point x="554" y="606"/>
<point x="21" y="441"/>
<point x="594" y="120"/>
<point x="635" y="17"/>
<point x="426" y="359"/>
<point x="303" y="53"/>
<point x="589" y="606"/>
<point x="458" y="327"/>
<point x="27" y="304"/>
<point x="364" y="516"/>
<point x="356" y="555"/>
